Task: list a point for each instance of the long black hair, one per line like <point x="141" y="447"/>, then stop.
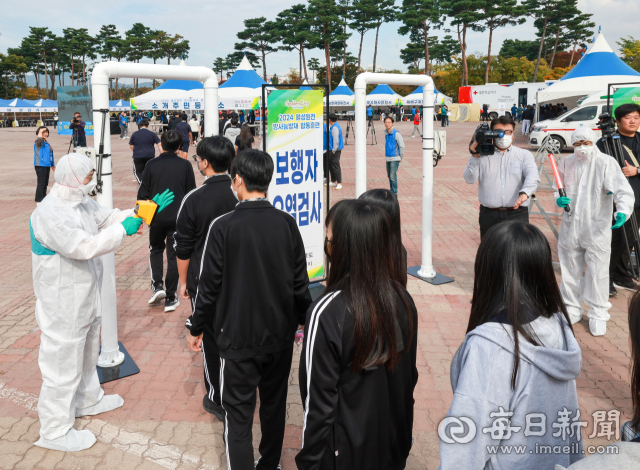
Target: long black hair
<point x="634" y="333"/>
<point x="362" y="267"/>
<point x="514" y="275"/>
<point x="385" y="199"/>
<point x="245" y="139"/>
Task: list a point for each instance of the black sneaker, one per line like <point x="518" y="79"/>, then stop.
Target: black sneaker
<point x="627" y="284"/>
<point x="171" y="304"/>
<point x="255" y="465"/>
<point x="612" y="290"/>
<point x="210" y="407"/>
<point x="158" y="295"/>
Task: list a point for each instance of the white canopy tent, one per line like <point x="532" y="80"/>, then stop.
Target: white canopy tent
<point x="599" y="67"/>
<point x="241" y="91"/>
<point x="415" y="98"/>
<point x="383" y="95"/>
<point x="119" y="105"/>
<point x="305" y="86"/>
<point x="342" y="95"/>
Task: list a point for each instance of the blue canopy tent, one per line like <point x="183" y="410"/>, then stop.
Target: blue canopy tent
<point x="342" y="95"/>
<point x="383" y="95"/>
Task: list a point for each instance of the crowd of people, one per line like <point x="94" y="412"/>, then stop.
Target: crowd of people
<point x="241" y="265"/>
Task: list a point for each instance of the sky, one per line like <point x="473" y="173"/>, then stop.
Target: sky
<point x="211" y="27"/>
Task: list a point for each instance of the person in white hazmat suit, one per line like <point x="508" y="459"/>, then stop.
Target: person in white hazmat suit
<point x="593" y="182"/>
<point x="69" y="234"/>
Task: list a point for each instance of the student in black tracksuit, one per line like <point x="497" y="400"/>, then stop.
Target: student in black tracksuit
<point x="254" y="290"/>
<point x="357" y="382"/>
<point x="167" y="170"/>
<point x="199" y="208"/>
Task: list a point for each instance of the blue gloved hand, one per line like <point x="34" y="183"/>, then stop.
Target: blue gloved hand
<point x="563" y="201"/>
<point x="620" y="220"/>
<point x="131" y="225"/>
<point x="163" y="200"/>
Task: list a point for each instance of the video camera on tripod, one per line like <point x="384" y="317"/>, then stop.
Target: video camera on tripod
<point x="613" y="146"/>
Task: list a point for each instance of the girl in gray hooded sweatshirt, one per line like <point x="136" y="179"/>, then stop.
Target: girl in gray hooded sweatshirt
<point x="514" y="404"/>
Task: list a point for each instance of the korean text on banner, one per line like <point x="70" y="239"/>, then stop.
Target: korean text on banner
<point x="294" y="141"/>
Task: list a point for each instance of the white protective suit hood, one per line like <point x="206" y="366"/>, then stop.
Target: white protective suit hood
<point x="70" y="173"/>
<point x="581" y="135"/>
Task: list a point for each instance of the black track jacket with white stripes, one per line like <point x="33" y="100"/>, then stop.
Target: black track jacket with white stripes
<point x="359" y="420"/>
<point x="253" y="284"/>
<point x="199" y="208"/>
<point x="167" y="171"/>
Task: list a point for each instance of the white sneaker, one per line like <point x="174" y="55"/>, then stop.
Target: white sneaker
<point x="107" y="403"/>
<point x="332" y="184"/>
<point x="413" y="136"/>
<point x="72" y="441"/>
<point x="338" y="186"/>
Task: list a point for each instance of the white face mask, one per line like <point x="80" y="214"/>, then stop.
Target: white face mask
<point x="584" y="151"/>
<point x="235" y="193"/>
<point x="87" y="188"/>
<point x="503" y="142"/>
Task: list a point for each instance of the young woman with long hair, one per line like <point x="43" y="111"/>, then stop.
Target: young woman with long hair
<point x="358" y="366"/>
<point x="385" y="199"/>
<point x="518" y="362"/>
<point x="244" y="140"/>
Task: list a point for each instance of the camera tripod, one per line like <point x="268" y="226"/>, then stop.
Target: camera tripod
<point x="612" y="146"/>
<point x="374" y="138"/>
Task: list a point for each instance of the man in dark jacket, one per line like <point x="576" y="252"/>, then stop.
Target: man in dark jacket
<point x="77" y="127"/>
<point x="165" y="171"/>
<point x="173" y="122"/>
<point x="199" y="208"/>
<point x="253" y="290"/>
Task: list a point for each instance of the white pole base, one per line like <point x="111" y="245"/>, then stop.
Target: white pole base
<point x="432" y="277"/>
<point x="110" y="358"/>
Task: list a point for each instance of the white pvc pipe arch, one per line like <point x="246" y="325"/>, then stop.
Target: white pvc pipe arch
<point x="426" y="269"/>
<point x="110" y="354"/>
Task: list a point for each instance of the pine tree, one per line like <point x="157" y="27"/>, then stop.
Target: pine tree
<point x="421" y="16"/>
<point x="498" y="13"/>
<point x="465" y="16"/>
<point x="542" y="11"/>
<point x="108" y="40"/>
<point x="293" y="29"/>
<point x="327" y="28"/>
<point x="385" y="13"/>
<point x="259" y="35"/>
<point x="363" y="13"/>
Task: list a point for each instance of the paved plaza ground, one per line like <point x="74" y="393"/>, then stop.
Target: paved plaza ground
<point x="162" y="423"/>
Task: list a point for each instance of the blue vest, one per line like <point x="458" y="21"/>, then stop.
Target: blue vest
<point x="390" y="144"/>
<point x="43" y="156"/>
<point x="369" y="111"/>
<point x="340" y="142"/>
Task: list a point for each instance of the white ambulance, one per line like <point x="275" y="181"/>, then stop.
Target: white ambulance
<point x="560" y="128"/>
<point x="501" y="97"/>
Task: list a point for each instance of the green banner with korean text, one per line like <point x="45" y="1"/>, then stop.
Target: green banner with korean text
<point x="294" y="141"/>
<point x="624" y="96"/>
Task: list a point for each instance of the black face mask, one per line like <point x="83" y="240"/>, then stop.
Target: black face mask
<point x="326" y="252"/>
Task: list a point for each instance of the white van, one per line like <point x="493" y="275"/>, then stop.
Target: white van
<point x="560" y="128"/>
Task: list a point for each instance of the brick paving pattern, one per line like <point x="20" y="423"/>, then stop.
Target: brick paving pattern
<point x="162" y="423"/>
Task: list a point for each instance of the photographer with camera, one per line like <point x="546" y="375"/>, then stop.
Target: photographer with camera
<point x="628" y="121"/>
<point x="77" y="126"/>
<point x="507" y="175"/>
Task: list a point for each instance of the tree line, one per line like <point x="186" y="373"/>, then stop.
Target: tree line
<point x="328" y="24"/>
<point x="49" y="56"/>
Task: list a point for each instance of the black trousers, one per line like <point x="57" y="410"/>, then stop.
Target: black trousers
<point x="488" y="217"/>
<point x="159" y="238"/>
<point x="42" y="172"/>
<point x="79" y="141"/>
<point x="618" y="262"/>
<point x="138" y="167"/>
<point x="334" y="165"/>
<point x="238" y="382"/>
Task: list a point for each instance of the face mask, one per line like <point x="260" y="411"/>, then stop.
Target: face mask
<point x="235" y="193"/>
<point x="326" y="251"/>
<point x="583" y="150"/>
<point x="503" y="142"/>
<point x="87" y="188"/>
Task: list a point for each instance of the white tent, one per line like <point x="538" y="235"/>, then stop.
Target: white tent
<point x="43" y="105"/>
<point x="599" y="67"/>
<point x="342" y="95"/>
<point x="383" y="95"/>
<point x="243" y="90"/>
<point x="305" y="86"/>
<point x="415" y="98"/>
<point x="119" y="105"/>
